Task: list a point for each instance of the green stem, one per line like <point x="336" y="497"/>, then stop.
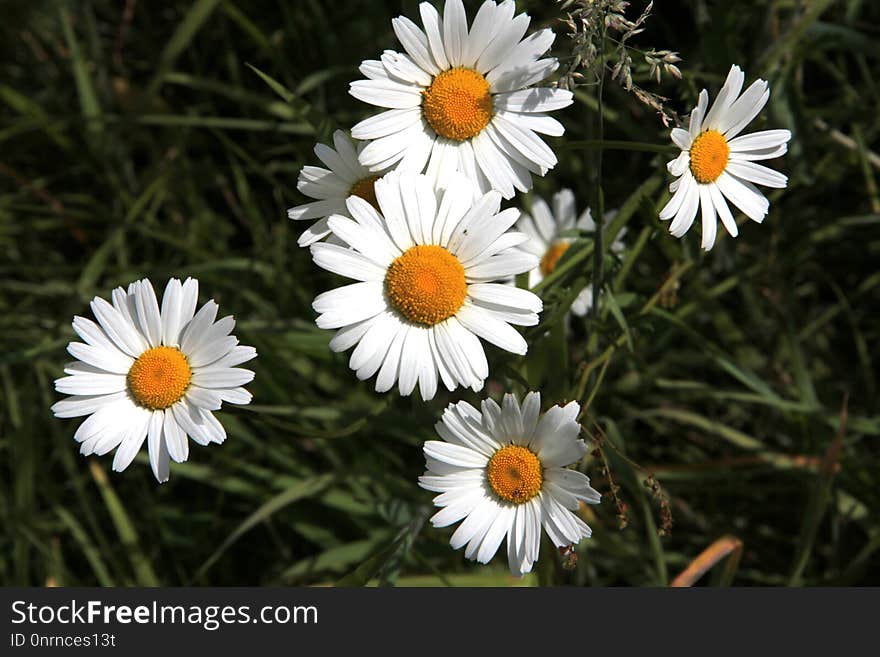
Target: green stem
<point x="599" y="205"/>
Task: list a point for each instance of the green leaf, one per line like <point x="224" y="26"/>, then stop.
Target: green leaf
<point x="618" y="316"/>
<point x="368" y="569"/>
<point x="180" y="40"/>
<point x="306" y="488"/>
<point x="88" y="98"/>
<point x="125" y="528"/>
<point x="274" y="85"/>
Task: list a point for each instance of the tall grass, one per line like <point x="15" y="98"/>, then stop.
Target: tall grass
<point x="734" y="392"/>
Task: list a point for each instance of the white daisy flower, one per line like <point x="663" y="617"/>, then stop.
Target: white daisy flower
<point x="148" y="374"/>
<point x="427" y="265"/>
<point x="345" y="177"/>
<point x="546" y="229"/>
<point x="503" y="471"/>
<point x="463" y="99"/>
<point x="715" y="164"/>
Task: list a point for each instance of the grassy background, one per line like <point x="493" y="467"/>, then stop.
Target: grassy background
<point x="135" y="141"/>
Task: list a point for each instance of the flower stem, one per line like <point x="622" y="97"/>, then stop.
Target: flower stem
<point x="599" y="204"/>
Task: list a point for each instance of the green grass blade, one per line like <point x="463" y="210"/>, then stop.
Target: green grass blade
<point x="301" y="490"/>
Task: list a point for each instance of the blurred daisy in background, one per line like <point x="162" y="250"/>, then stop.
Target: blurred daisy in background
<point x="715" y="164"/>
<point x="345" y="177"/>
<point x="546" y="229"/>
<point x="463" y="99"/>
<point x="503" y="471"/>
<point x="428" y="265"/>
<point x="145" y="373"/>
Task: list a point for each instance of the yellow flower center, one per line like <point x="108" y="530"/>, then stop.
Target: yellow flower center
<point x="515" y="474"/>
<point x="364" y="188"/>
<point x="458" y="104"/>
<point x="159" y="377"/>
<point x="709" y="154"/>
<point x="426" y="284"/>
<point x="550" y="259"/>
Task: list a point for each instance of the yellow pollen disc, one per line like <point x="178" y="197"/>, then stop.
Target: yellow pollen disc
<point x="515" y="474"/>
<point x="364" y="188"/>
<point x="709" y="154"/>
<point x="426" y="284"/>
<point x="550" y="259"/>
<point x="458" y="104"/>
<point x="159" y="377"/>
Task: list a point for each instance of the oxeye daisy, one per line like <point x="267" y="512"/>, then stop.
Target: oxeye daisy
<point x="715" y="164"/>
<point x="548" y="240"/>
<point x="427" y="264"/>
<point x="345" y="177"/>
<point x="503" y="471"/>
<point x="463" y="99"/>
<point x="145" y="373"/>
